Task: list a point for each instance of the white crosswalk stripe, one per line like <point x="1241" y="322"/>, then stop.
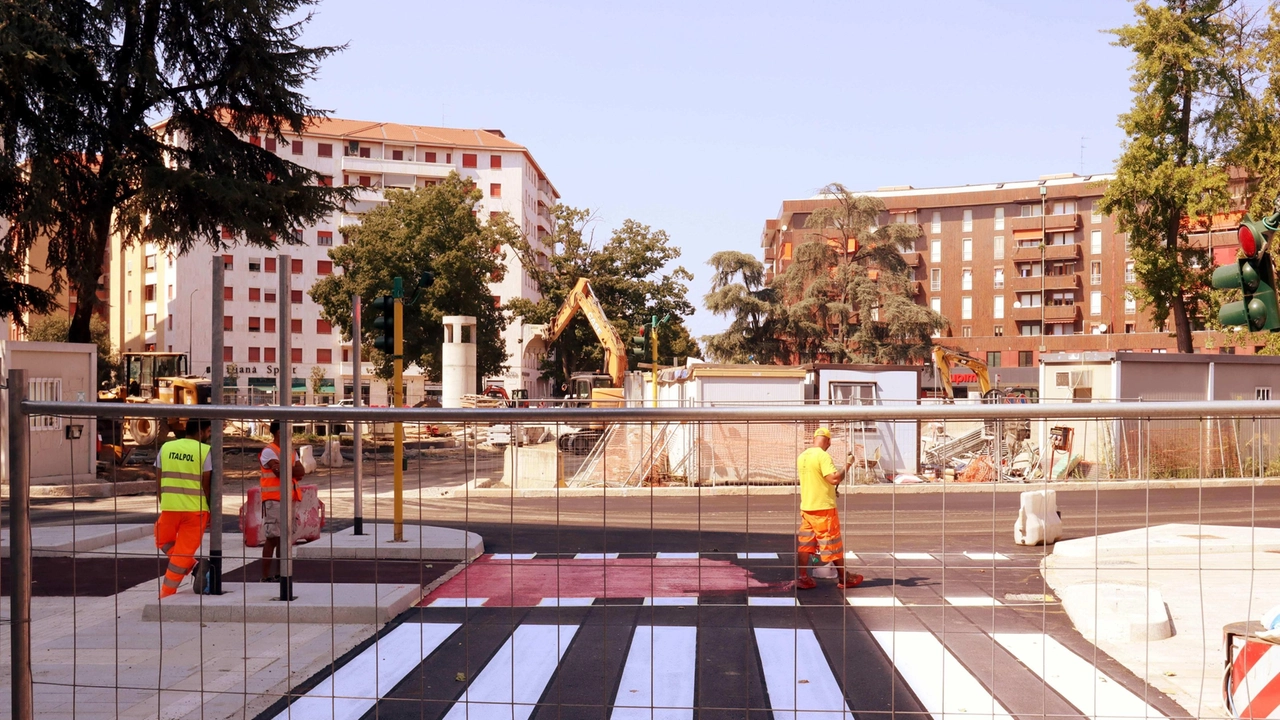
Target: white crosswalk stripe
<point x="797" y="678"/>
<point x="658" y="678"/>
<point x="500" y="692"/>
<point x="947" y="690"/>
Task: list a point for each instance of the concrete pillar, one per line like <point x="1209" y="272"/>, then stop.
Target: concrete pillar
<point x="458" y="374"/>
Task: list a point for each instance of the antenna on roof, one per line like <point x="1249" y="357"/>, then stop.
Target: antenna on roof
<point x="1082" y="139"/>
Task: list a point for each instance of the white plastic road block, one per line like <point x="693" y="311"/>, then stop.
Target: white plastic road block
<point x="332" y="455"/>
<point x="1038" y="522"/>
<point x="308" y="516"/>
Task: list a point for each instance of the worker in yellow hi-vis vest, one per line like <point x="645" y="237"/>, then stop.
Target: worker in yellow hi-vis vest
<point x="185" y="469"/>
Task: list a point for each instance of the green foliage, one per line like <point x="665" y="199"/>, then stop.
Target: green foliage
<point x="435" y="229"/>
<point x="1172" y="175"/>
<point x="630" y="276"/>
<point x="738" y="291"/>
<point x="317" y="379"/>
<point x="55" y="328"/>
<point x="81" y="84"/>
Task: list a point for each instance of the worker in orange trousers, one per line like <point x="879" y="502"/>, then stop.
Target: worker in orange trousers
<point x="185" y="470"/>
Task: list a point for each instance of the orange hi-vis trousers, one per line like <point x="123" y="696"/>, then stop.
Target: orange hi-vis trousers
<point x="819" y="535"/>
<point x="179" y="535"/>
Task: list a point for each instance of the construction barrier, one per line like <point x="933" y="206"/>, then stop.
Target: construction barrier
<point x="308" y="516"/>
<point x="1251" y="685"/>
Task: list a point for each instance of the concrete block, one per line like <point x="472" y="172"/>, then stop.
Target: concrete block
<point x="530" y="466"/>
<point x="340" y="603"/>
<point x="1038" y="522"/>
<point x="1117" y="612"/>
<point x="1174" y="539"/>
<point x="421" y="542"/>
<point x="63" y="540"/>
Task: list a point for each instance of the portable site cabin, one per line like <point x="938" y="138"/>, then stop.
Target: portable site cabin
<point x="898" y="442"/>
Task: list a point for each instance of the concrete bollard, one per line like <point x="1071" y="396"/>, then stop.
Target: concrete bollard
<point x="1038" y="522"/>
<point x="332" y="455"/>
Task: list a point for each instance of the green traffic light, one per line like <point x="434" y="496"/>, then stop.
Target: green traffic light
<point x="1226" y="277"/>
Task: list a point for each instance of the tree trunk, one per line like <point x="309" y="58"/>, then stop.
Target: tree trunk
<point x="82" y="278"/>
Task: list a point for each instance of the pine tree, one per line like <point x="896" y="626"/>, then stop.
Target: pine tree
<point x="739" y="292"/>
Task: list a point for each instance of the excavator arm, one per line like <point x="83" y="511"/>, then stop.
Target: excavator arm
<point x="582" y="298"/>
<point x="943" y="359"/>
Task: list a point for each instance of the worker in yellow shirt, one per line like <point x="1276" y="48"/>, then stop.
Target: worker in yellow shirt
<point x="185" y="469"/>
<point x="819" y="520"/>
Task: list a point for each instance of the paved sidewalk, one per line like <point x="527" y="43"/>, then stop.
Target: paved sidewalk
<point x="1206" y="575"/>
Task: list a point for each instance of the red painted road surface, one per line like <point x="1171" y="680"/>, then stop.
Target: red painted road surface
<point x="524" y="583"/>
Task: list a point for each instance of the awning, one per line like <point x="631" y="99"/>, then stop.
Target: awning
<point x="299" y="384"/>
<point x="262" y="383"/>
<point x="1032" y="234"/>
<point x="327" y="386"/>
<point x="1060" y="321"/>
<point x="228" y="381"/>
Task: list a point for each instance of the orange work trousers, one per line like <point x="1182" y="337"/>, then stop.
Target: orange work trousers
<point x="179" y="535"/>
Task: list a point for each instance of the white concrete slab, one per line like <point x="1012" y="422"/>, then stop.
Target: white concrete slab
<point x="65" y="540"/>
<point x="315" y="603"/>
<point x="421" y="542"/>
<point x="1173" y="539"/>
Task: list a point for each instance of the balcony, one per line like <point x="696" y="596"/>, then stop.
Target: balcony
<point x="1017" y="283"/>
<point x="770" y="254"/>
<point x="379" y="166"/>
<point x="912" y="259"/>
<point x="917" y="288"/>
<point x="1025" y="314"/>
<point x="1052" y="223"/>
<point x="1062" y="282"/>
<point x="1061" y="313"/>
<point x="1062" y="252"/>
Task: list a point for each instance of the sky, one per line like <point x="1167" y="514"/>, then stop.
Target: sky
<point x="700" y="118"/>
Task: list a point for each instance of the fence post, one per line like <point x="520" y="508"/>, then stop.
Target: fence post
<point x="285" y="268"/>
<point x="20" y="547"/>
<point x="216" y="397"/>
<point x="357" y="399"/>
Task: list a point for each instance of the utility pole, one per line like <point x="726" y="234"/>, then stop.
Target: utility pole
<point x="216" y="371"/>
<point x="397" y="294"/>
<point x="357" y="439"/>
<point x="285" y="301"/>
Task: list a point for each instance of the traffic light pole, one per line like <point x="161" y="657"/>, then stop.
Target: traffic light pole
<point x="654" y="342"/>
<point x="398" y="394"/>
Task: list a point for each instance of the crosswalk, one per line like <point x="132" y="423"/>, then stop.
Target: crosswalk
<point x="677" y="662"/>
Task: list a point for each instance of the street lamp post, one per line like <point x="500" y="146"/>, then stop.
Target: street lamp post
<point x="1043" y="241"/>
<point x="191" y="350"/>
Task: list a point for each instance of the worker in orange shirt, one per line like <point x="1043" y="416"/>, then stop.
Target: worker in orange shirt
<point x="819" y="532"/>
<point x="269" y="461"/>
<point x="185" y="468"/>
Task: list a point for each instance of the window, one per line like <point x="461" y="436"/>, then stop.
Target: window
<point x="346" y="354"/>
<point x="1095" y="215"/>
<point x="150" y="263"/>
<point x="269" y="324"/>
<point x="169" y="322"/>
<point x="1029" y="329"/>
<point x="226" y="233"/>
<point x="1031" y="210"/>
<point x="428" y="157"/>
<point x="1130" y="328"/>
<point x="324" y="180"/>
<point x="1130" y="304"/>
<point x="295" y="297"/>
<point x="935" y="304"/>
<point x="1095" y="302"/>
<point x="324" y="238"/>
<point x="966" y="249"/>
<point x="268" y="296"/>
<point x="935" y="251"/>
<point x="149" y="293"/>
<point x="997" y="247"/>
<point x="228" y="353"/>
<point x="255" y="324"/>
<point x="255" y="264"/>
<point x="495" y="190"/>
<point x="298" y="236"/>
<point x="364" y="152"/>
<point x="324" y="149"/>
<point x="171" y="293"/>
<point x="397" y="154"/>
<point x="966" y="279"/>
<point x="468" y="160"/>
<point x="228" y="263"/>
<point x="228" y="322"/>
<point x="966" y="308"/>
<point x="935" y="225"/>
<point x="268" y="354"/>
<point x="1129" y="275"/>
<point x="966" y="225"/>
<point x="150" y="322"/>
<point x="295" y="266"/>
<point x="997" y="307"/>
<point x="295" y="326"/>
<point x="1095" y="242"/>
<point x="1095" y="272"/>
<point x="295" y="354"/>
<point x="1062" y="238"/>
<point x="255" y="140"/>
<point x="999" y="223"/>
<point x="128" y="296"/>
<point x="1028" y="300"/>
<point x="997" y="330"/>
<point x="851" y="393"/>
<point x="255" y="354"/>
<point x="1024" y="358"/>
<point x="271" y="144"/>
<point x="296" y="146"/>
<point x="324" y="267"/>
<point x="228" y="293"/>
<point x="366" y="181"/>
<point x="324" y="356"/>
<point x="324" y="327"/>
<point x="495" y="162"/>
<point x="999" y="280"/>
<point x="935" y="279"/>
<point x="993" y="358"/>
<point x="1262" y="393"/>
<point x="269" y="265"/>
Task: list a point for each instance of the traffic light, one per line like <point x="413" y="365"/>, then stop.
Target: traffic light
<point x="637" y="342"/>
<point x="385" y="324"/>
<point x="1255" y="277"/>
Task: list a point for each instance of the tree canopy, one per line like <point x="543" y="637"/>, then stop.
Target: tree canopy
<point x="431" y="229"/>
<point x="55" y="328"/>
<point x="82" y="83"/>
<point x="739" y="292"/>
<point x="630" y="276"/>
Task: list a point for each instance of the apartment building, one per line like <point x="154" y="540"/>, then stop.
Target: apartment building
<point x="159" y="301"/>
<point x="1018" y="268"/>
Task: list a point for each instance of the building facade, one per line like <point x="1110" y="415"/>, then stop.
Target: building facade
<point x="1017" y="268"/>
<point x="161" y="302"/>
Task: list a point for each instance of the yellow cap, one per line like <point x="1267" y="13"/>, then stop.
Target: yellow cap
<point x="822" y="432"/>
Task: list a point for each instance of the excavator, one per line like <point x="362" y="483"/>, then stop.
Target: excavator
<point x="943" y="359"/>
<point x="602" y="389"/>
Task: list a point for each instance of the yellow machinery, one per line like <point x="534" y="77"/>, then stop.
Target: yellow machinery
<point x="606" y="387"/>
<point x="943" y="359"/>
<point x="157" y="378"/>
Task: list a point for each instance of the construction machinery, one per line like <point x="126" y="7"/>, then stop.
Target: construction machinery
<point x="601" y="389"/>
<point x="944" y="359"/>
<point x="157" y="378"/>
<point x="981" y="440"/>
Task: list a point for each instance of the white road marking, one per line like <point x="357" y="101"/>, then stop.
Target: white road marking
<point x="459" y="602"/>
<point x="658" y="678"/>
<point x="973" y="601"/>
<point x="566" y="602"/>
<point x="596" y="556"/>
<point x="797" y="676"/>
<point x="851" y="556"/>
<point x="352" y="691"/>
<point x="772" y="601"/>
<point x="943" y="685"/>
<point x="677" y="556"/>
<point x="690" y="600"/>
<point x="912" y="556"/>
<point x="757" y="556"/>
<point x="871" y="601"/>
<point x="501" y="693"/>
<point x="512" y="556"/>
<point x="1076" y="679"/>
<point x="984" y="556"/>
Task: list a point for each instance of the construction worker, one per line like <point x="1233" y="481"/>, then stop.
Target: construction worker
<point x="819" y="532"/>
<point x="185" y="468"/>
<point x="269" y="461"/>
